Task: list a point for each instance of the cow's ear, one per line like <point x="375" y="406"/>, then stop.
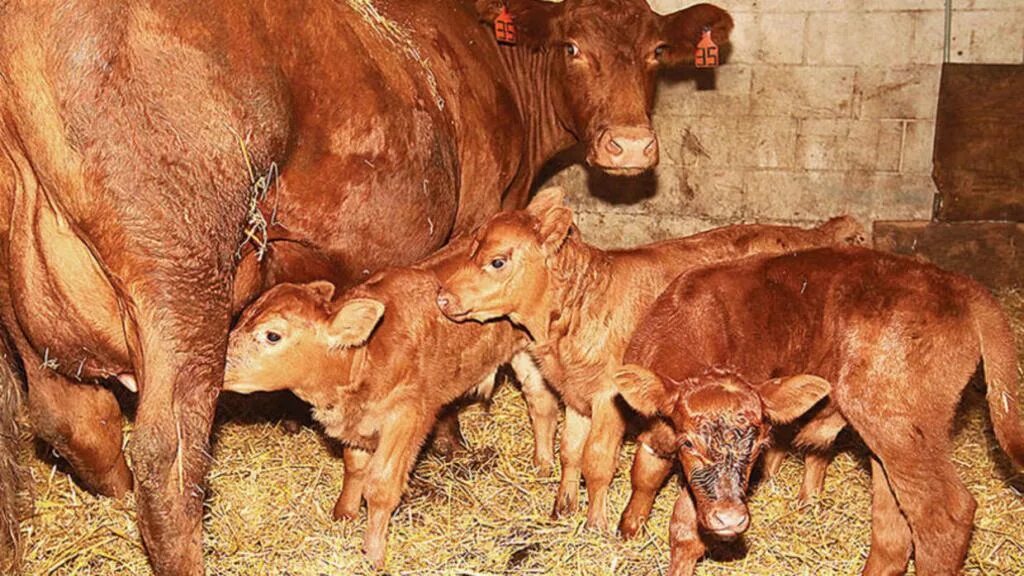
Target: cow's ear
<point x="786" y="399"/>
<point x="681" y="31"/>
<point x="322" y="289"/>
<point x="353" y="323"/>
<point x="644" y="390"/>
<point x="554" y="218"/>
<point x="534" y="19"/>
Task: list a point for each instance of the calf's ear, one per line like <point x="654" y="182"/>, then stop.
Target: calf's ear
<point x="321" y="289"/>
<point x="353" y="323"/>
<point x="554" y="218"/>
<point x="786" y="399"/>
<point x="644" y="390"/>
<point x="680" y="31"/>
<point x="535" y="20"/>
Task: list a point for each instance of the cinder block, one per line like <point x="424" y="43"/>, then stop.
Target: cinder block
<point x="918" y="145"/>
<point x="623" y="230"/>
<point x="733" y="6"/>
<point x="802" y="91"/>
<point x="929" y="35"/>
<point x="897" y="5"/>
<point x="771" y="38"/>
<point x="988" y="36"/>
<point x="907" y="92"/>
<point x="817" y="195"/>
<point x="680" y="95"/>
<point x="859" y="38"/>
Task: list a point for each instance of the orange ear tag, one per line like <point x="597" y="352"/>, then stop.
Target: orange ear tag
<point x="706" y="55"/>
<point x="505" y="28"/>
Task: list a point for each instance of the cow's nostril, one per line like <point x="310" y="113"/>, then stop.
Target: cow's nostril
<point x="651" y="148"/>
<point x="613" y="147"/>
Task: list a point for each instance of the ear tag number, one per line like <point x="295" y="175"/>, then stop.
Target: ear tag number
<point x="706" y="55"/>
<point x="505" y="28"/>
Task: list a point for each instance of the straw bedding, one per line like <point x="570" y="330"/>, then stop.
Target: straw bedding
<point x="485" y="512"/>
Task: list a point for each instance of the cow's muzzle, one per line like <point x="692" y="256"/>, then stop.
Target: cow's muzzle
<point x="625" y="150"/>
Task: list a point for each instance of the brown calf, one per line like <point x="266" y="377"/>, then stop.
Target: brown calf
<point x="892" y="342"/>
<point x="580" y="305"/>
<point x="378" y="364"/>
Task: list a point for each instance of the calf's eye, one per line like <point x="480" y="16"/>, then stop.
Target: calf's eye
<point x="498" y="263"/>
<point x="572" y="50"/>
<point x="273" y="337"/>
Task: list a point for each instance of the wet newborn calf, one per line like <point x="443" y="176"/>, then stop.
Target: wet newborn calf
<point x="890" y="340"/>
<point x="377" y="364"/>
<point x="580" y="304"/>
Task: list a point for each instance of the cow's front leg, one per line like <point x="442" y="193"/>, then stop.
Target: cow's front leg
<point x="683" y="537"/>
<point x="400" y="440"/>
<point x="601" y="457"/>
<point x="177" y="346"/>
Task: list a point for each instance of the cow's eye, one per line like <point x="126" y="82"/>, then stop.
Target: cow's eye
<point x="273" y="337"/>
<point x="498" y="263"/>
<point x="660" y="50"/>
<point x="686" y="445"/>
<point x="572" y="50"/>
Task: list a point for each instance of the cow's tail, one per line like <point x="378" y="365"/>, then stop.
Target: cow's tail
<point x="11" y="474"/>
<point x="999" y="358"/>
<point x="845" y="230"/>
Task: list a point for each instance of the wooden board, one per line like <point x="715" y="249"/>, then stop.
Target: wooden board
<point x="991" y="252"/>
<point x="979" y="143"/>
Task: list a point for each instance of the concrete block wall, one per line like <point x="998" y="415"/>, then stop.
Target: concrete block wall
<point x="824" y="107"/>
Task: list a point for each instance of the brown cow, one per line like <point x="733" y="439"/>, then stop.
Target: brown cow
<point x="130" y="137"/>
<point x="377" y="364"/>
<point x="891" y="340"/>
<point x="580" y="305"/>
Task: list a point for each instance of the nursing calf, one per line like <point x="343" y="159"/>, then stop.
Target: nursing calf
<point x="378" y="364"/>
<point x="581" y="304"/>
<point x="891" y="341"/>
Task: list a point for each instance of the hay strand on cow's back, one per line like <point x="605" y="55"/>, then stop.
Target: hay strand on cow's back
<point x="486" y="512"/>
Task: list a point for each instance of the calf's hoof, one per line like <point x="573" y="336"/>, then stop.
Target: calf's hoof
<point x="597" y="522"/>
<point x="291" y="426"/>
<point x="630" y="526"/>
<point x="344" y="511"/>
<point x="543" y="469"/>
<point x="565" y="506"/>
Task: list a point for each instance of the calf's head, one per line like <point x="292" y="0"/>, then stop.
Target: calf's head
<point x="722" y="424"/>
<point x="293" y="334"/>
<point x="605" y="56"/>
<point x="508" y="270"/>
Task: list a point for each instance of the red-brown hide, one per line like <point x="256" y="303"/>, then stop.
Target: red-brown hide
<point x="891" y="340"/>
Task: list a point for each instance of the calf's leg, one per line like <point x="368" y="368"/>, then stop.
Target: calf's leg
<point x="356" y="464"/>
<point x="890" y="534"/>
<point x="683" y="537"/>
<point x="647" y="476"/>
<point x="601" y="458"/>
<point x="542" y="405"/>
<point x="818" y="436"/>
<point x="400" y="441"/>
<point x="82" y="422"/>
<point x="574" y="437"/>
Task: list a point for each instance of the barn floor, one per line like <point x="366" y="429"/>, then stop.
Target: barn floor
<point x="486" y="513"/>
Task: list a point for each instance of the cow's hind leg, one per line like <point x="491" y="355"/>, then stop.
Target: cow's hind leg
<point x="891" y="542"/>
<point x="82" y="422"/>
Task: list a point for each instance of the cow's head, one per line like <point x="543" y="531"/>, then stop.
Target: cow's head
<point x="289" y="337"/>
<point x="606" y="54"/>
<point x="722" y="424"/>
<point x="508" y="270"/>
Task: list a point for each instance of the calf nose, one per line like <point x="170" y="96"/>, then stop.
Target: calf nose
<point x="729" y="522"/>
<point x="446" y="301"/>
<point x="626" y="148"/>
